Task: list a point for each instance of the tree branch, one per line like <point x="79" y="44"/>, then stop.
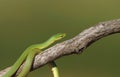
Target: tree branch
<point x="75" y="45"/>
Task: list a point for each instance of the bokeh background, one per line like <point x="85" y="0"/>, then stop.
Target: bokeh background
<point x="26" y="22"/>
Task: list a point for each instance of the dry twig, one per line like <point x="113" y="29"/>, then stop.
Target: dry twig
<point x="75" y="45"/>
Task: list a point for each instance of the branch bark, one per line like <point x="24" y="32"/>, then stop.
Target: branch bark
<point x="76" y="45"/>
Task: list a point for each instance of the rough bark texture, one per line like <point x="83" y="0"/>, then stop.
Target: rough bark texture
<point x="75" y="45"/>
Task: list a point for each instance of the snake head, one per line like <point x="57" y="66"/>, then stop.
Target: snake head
<point x="59" y="36"/>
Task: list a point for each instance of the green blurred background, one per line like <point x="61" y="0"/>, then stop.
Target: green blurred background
<point x="26" y="22"/>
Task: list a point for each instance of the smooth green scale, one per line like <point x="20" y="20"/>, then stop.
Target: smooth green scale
<point x="18" y="63"/>
<point x="30" y="50"/>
